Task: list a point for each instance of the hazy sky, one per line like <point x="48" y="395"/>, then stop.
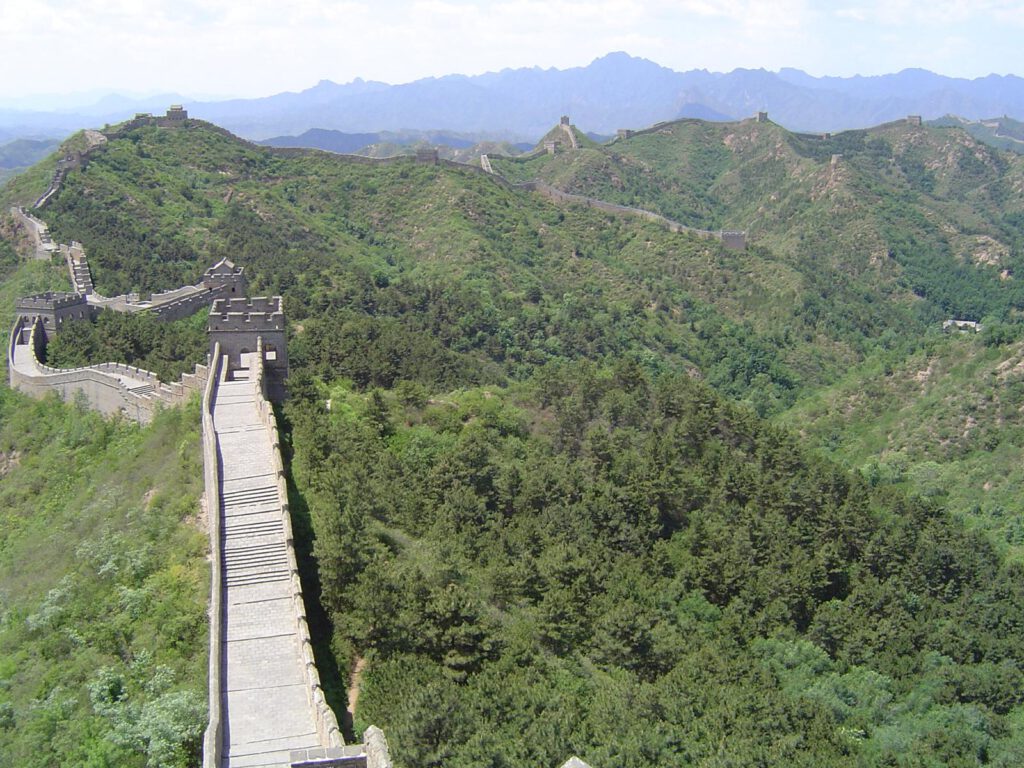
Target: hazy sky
<point x="258" y="47"/>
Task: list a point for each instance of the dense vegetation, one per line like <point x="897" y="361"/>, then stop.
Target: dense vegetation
<point x="928" y="212"/>
<point x="166" y="349"/>
<point x="536" y="528"/>
<point x="627" y="568"/>
<point x="946" y="422"/>
<point x="104" y="585"/>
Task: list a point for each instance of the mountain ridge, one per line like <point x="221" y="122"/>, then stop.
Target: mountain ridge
<point x="613" y="91"/>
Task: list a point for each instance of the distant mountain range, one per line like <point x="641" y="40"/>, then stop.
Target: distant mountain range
<point x="615" y="91"/>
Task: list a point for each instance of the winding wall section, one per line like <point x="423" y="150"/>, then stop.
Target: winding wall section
<point x="110" y="388"/>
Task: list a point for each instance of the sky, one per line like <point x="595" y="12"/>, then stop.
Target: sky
<point x="222" y="48"/>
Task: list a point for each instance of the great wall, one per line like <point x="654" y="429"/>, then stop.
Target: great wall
<point x="266" y="704"/>
<point x="732" y="239"/>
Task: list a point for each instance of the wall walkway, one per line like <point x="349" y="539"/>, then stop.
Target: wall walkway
<point x="37" y="230"/>
<point x="267" y="706"/>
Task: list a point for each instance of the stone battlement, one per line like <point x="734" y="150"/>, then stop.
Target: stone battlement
<point x="240" y="327"/>
<point x="50" y="300"/>
<point x="241" y="314"/>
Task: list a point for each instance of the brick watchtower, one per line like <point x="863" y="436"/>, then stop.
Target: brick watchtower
<point x="54" y="308"/>
<point x="238" y="324"/>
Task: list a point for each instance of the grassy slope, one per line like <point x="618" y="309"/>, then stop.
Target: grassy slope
<point x="102" y="610"/>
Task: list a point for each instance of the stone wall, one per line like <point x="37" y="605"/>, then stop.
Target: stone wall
<point x="78" y="267"/>
<point x="213" y="739"/>
<point x="184" y="306"/>
<point x="732" y="240"/>
<point x="101" y="384"/>
<point x="326" y="721"/>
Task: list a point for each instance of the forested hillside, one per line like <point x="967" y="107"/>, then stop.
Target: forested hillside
<point x="528" y="450"/>
<point x="627" y="568"/>
<point x="891" y="215"/>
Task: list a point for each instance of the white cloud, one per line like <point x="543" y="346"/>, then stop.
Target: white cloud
<point x="263" y="46"/>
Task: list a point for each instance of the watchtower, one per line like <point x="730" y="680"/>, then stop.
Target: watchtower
<point x="226" y="278"/>
<point x="914" y="120"/>
<point x="426" y="156"/>
<point x="239" y="324"/>
<point x="177" y="113"/>
<point x="54" y="308"/>
<point x="564" y="120"/>
<point x="734" y="240"/>
<point x="762" y="117"/>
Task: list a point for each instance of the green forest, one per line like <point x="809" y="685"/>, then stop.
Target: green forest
<point x="567" y="483"/>
<point x="630" y="569"/>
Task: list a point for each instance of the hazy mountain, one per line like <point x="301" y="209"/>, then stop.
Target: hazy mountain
<point x="22" y="153"/>
<point x="615" y="91"/>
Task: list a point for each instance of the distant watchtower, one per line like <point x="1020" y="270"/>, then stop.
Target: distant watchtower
<point x="426" y="156"/>
<point x="226" y="277"/>
<point x="238" y="324"/>
<point x="176" y="113"/>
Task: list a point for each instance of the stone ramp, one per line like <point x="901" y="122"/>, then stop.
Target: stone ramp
<point x="267" y="712"/>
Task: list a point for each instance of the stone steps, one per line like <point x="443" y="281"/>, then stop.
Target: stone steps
<point x="267" y="710"/>
<point x="142" y="389"/>
<point x="271" y="527"/>
<point x="249" y="497"/>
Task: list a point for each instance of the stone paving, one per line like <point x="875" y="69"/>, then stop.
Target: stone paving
<point x="267" y="713"/>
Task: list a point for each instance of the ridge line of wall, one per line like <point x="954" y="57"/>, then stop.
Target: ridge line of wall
<point x="326" y="721"/>
<point x="213" y="739"/>
<point x="592" y="202"/>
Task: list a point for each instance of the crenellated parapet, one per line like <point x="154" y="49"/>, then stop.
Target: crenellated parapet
<point x="241" y="325"/>
<point x="53" y="309"/>
<point x="110" y="388"/>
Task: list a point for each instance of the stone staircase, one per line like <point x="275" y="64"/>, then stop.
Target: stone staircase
<point x="142" y="389"/>
<point x="268" y="718"/>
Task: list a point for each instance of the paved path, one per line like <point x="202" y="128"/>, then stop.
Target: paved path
<point x="267" y="713"/>
<point x="38" y="231"/>
<point x="571" y="134"/>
